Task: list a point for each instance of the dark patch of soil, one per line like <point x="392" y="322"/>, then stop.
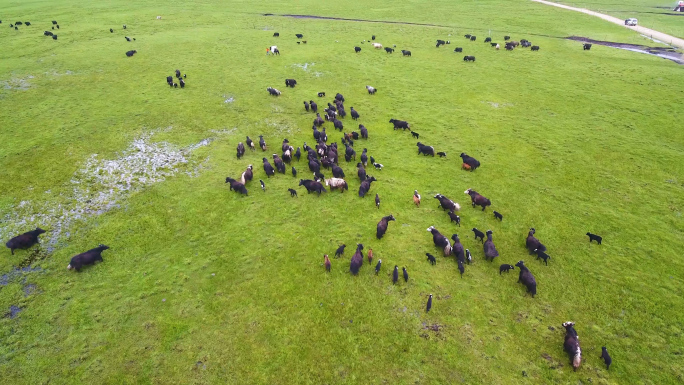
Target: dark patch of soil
<point x="15" y="273"/>
<point x="663" y="52"/>
<point x="13" y="311"/>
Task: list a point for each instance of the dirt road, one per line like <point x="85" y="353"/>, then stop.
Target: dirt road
<point x="674" y="41"/>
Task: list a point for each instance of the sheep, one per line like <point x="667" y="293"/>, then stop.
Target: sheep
<point x="377" y="201"/>
<point x="405" y="52"/>
<point x="406" y="277"/>
<point x="236" y="186"/>
<point x="455" y="218"/>
<point x="400" y="124"/>
<point x="270" y="171"/>
<point x="489" y="248"/>
<point x="606" y="357"/>
<point x="377" y="266"/>
<point x="594" y="237"/>
<point x="469" y="58"/>
<point x="240" y="150"/>
<point x="290" y="83"/>
<point x="429" y="304"/>
<point x="377" y="45"/>
<point x="250" y="143"/>
<point x="248" y="174"/>
<point x="354" y="114"/>
<point x="498" y="216"/>
<point x="273" y="50"/>
<point x="382" y="226"/>
<point x="327" y="263"/>
<point x="337" y="183"/>
<point x="571" y="345"/>
<point x="442" y="154"/>
<point x="311" y="185"/>
<point x="458" y="49"/>
<point x="356" y="260"/>
<point x="370" y="255"/>
<point x="262" y="143"/>
<point x="431" y="258"/>
<point x="87" y="258"/>
<point x="469" y="257"/>
<point x="272" y="91"/>
<point x="543" y="256"/>
<point x="357" y="49"/>
<point x="293" y="192"/>
<point x="440" y="240"/>
<point x="389" y="50"/>
<point x="263" y="186"/>
<point x="339" y="97"/>
<point x="371" y="90"/>
<point x="477" y="199"/>
<point x="478" y="234"/>
<point x="526" y="278"/>
<point x="340" y="251"/>
<point x="505" y="268"/>
<point x="425" y="150"/>
<point x="321" y="94"/>
<point x="364" y="131"/>
<point x="416" y="198"/>
<point x="447" y="204"/>
<point x="533" y="243"/>
<point x="365" y="186"/>
<point x="461" y="268"/>
<point x="457" y="248"/>
<point x="25" y="240"/>
<point x="395" y="274"/>
<point x="535" y="48"/>
<point x="128" y="53"/>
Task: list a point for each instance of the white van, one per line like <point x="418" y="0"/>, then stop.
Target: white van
<point x="631" y="22"/>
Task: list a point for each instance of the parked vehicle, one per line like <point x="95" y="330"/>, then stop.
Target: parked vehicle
<point x="631" y="22"/>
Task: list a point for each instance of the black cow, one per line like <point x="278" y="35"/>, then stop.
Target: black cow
<point x="290" y="83"/>
<point x="129" y="53"/>
<point x="276" y="34"/>
<point x="468" y="58"/>
<point x="25" y="240"/>
<point x="587" y="46"/>
<point x="405" y="52"/>
<point x="458" y="49"/>
<point x="488" y="40"/>
<point x="87" y="258"/>
<point x="389" y="50"/>
<point x="472" y="38"/>
<point x="535" y="48"/>
<point x="299" y="35"/>
<point x="357" y="49"/>
<point x="399" y="124"/>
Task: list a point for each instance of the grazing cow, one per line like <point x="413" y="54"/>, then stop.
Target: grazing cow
<point x="129" y="53"/>
<point x="327" y="263"/>
<point x="493" y="44"/>
<point x="365" y="186"/>
<point x="457" y="248"/>
<point x="488" y="40"/>
<point x="262" y="143"/>
<point x="416" y="198"/>
<point x="571" y="345"/>
<point x="455" y="218"/>
<point x="299" y="35"/>
<point x="338" y="124"/>
<point x="442" y="154"/>
<point x="533" y="243"/>
<point x="306" y="106"/>
<point x="535" y="48"/>
<point x="478" y="234"/>
<point x="361" y="172"/>
<point x="415" y="135"/>
<point x="290" y="83"/>
<point x="370" y="255"/>
<point x="467" y="36"/>
<point x="236" y="186"/>
<point x="458" y="49"/>
<point x="280" y="165"/>
<point x="339" y="97"/>
<point x="395" y="274"/>
<point x="263" y="186"/>
<point x="270" y="171"/>
<point x="364" y="131"/>
<point x="294" y="172"/>
<point x="371" y="90"/>
<point x="526" y="278"/>
<point x="489" y="248"/>
<point x="356" y="260"/>
<point x="606" y="357"/>
<point x="468" y="58"/>
<point x="431" y="258"/>
<point x="272" y="91"/>
<point x="470" y="161"/>
<point x="248" y="174"/>
<point x="594" y="237"/>
<point x="507" y="38"/>
<point x="181" y="82"/>
<point x="357" y="49"/>
<point x="335" y="183"/>
<point x="293" y="192"/>
<point x="87" y="258"/>
<point x="429" y="304"/>
<point x="509" y="47"/>
<point x="406" y="277"/>
<point x="349" y="153"/>
<point x="440" y="240"/>
<point x="354" y="114"/>
<point x="377" y="45"/>
<point x="425" y="150"/>
<point x="240" y="150"/>
<point x="587" y="46"/>
<point x="473" y="38"/>
<point x="382" y="226"/>
<point x="440" y="42"/>
<point x="377" y="201"/>
<point x="477" y="199"/>
<point x="447" y="204"/>
<point x="364" y="156"/>
<point x="498" y="216"/>
<point x="276" y="34"/>
<point x="25" y="240"/>
<point x="405" y="52"/>
<point x="298" y="154"/>
<point x="47" y="33"/>
<point x="318" y="121"/>
<point x="340" y="251"/>
<point x="311" y="185"/>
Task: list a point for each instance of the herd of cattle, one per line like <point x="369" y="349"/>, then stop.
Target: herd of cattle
<point x="324" y="156"/>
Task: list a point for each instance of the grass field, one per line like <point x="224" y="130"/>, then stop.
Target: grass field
<point x="202" y="285"/>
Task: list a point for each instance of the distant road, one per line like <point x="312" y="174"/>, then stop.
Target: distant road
<point x="675" y="41"/>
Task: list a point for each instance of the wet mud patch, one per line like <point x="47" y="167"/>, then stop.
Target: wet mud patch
<point x="16" y="273"/>
<point x="662" y="52"/>
<point x="13" y="312"/>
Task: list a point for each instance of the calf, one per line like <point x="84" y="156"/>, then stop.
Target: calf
<point x="25" y="240"/>
<point x="340" y="251"/>
<point x="469" y="257"/>
<point x="357" y="49"/>
<point x="447" y="204"/>
<point x="276" y="34"/>
<point x="356" y="260"/>
<point x="442" y="154"/>
<point x="478" y="234"/>
<point x="377" y="201"/>
<point x="382" y="226"/>
<point x="477" y="199"/>
<point x="526" y="278"/>
<point x="400" y="124"/>
<point x="365" y="186"/>
<point x="488" y="40"/>
<point x="293" y="192"/>
<point x="405" y="52"/>
<point x="371" y="90"/>
<point x="389" y="50"/>
<point x="455" y="218"/>
<point x="311" y="185"/>
<point x="472" y="163"/>
<point x="425" y="150"/>
<point x="415" y="135"/>
<point x="587" y="46"/>
<point x="535" y="48"/>
<point x="606" y="357"/>
<point x="458" y="49"/>
<point x="87" y="258"/>
<point x="473" y="38"/>
<point x="461" y="268"/>
<point x="571" y="345"/>
<point x="468" y="58"/>
<point x="505" y="267"/>
<point x="416" y="198"/>
<point x="431" y="258"/>
<point x="299" y="35"/>
<point x="594" y="237"/>
<point x="490" y="251"/>
<point x="272" y="91"/>
<point x="129" y="53"/>
<point x="498" y="216"/>
<point x="290" y="83"/>
<point x="543" y="256"/>
<point x="236" y="186"/>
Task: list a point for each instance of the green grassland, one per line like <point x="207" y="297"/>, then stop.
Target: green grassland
<point x="202" y="285"/>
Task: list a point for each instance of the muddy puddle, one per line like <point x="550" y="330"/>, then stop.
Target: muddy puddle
<point x="662" y="52"/>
